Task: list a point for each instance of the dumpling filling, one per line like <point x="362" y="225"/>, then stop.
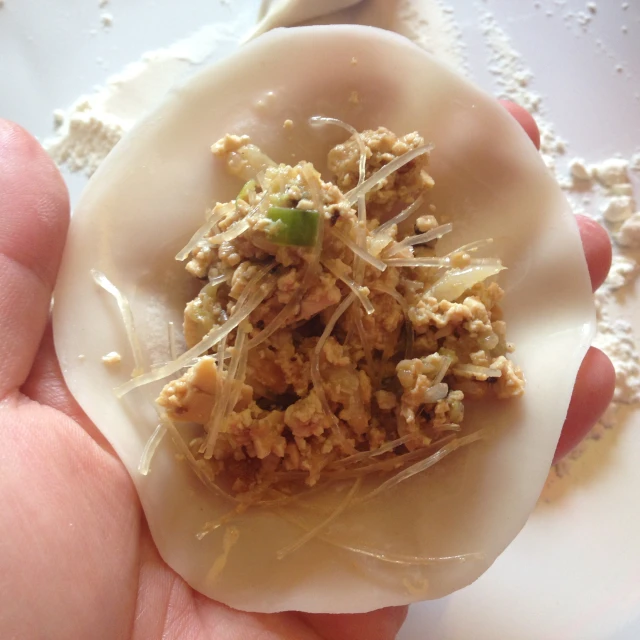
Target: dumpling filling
<point x="330" y="338"/>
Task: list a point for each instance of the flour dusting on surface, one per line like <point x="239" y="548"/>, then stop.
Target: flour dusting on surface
<point x="603" y="191"/>
<point x="106" y="19"/>
<point x="87" y="131"/>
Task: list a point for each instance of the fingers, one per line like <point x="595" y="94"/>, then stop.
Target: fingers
<point x="597" y="249"/>
<point x="525" y="119"/>
<point x="597" y="246"/>
<point x="592" y="394"/>
<point x="34" y="214"/>
<point x="376" y="625"/>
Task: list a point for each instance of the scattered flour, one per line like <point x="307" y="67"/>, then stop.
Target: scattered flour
<point x="87" y="131"/>
<point x="106" y="19"/>
<point x="514" y="81"/>
<point x="607" y="188"/>
<point x="612" y="172"/>
<point x="615" y="336"/>
<point x="578" y="170"/>
<point x="618" y="209"/>
<point x="629" y="233"/>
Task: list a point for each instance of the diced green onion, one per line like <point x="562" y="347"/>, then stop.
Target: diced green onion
<point x="294" y="227"/>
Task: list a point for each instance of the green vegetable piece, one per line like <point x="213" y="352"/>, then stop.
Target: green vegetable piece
<point x="295" y="228"/>
<point x="244" y="192"/>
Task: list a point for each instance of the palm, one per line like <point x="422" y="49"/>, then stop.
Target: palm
<point x="87" y="565"/>
<point x="76" y="558"/>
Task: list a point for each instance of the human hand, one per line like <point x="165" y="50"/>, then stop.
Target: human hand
<point x="76" y="557"/>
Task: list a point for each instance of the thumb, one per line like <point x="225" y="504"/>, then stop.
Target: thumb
<point x="34" y="215"/>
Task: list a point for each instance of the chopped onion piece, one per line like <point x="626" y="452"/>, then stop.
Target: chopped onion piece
<point x="446" y="363"/>
<point x="423" y="465"/>
<point x="249" y="300"/>
<point x="283" y="553"/>
<point x="386" y="171"/>
<point x="224" y="277"/>
<point x="127" y="318"/>
<point x="202" y="233"/>
<point x="376" y="263"/>
<point x="435" y="393"/>
<point x="421" y="238"/>
<point x="144" y="466"/>
<point x="476" y="371"/>
<point x="247" y="161"/>
<point x="456" y="281"/>
<point x="261" y="179"/>
<point x="376" y="244"/>
<point x="361" y="292"/>
<point x="401" y="217"/>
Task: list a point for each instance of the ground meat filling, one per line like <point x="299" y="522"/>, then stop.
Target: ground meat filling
<point x="338" y="350"/>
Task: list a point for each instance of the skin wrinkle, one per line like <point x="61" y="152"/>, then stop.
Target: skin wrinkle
<point x="46" y="384"/>
<point x="107" y="580"/>
<point x="60" y="508"/>
<point x="19" y="297"/>
<point x="33" y="225"/>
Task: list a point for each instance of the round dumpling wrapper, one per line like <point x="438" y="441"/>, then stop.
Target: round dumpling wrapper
<point x="442" y="528"/>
